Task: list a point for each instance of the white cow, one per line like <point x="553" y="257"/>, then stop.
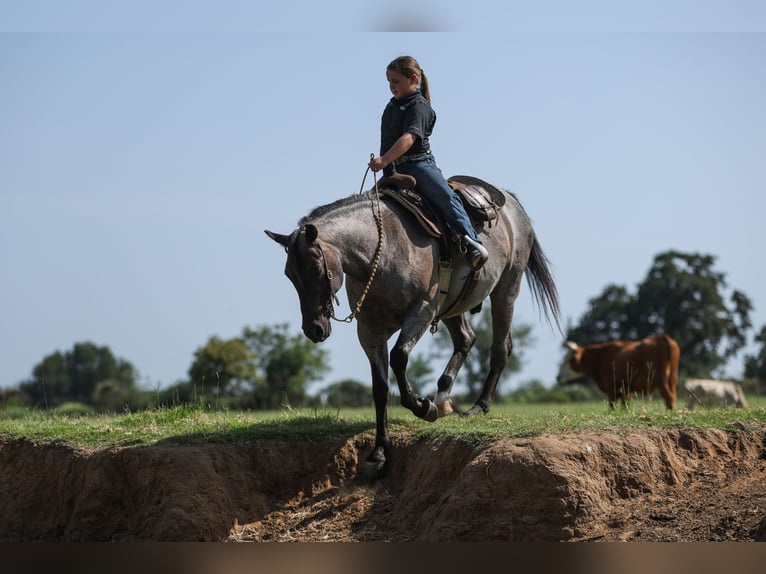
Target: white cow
<point x="712" y="393"/>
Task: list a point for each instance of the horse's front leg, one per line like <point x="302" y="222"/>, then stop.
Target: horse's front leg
<point x="409" y="335"/>
<point x="377" y="354"/>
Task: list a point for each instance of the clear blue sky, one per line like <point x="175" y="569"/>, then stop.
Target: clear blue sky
<point x="143" y="153"/>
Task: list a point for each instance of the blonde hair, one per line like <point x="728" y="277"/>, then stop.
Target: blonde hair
<point x="408" y="66"/>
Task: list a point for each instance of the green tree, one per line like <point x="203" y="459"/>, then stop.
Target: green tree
<point x="606" y="319"/>
<point x="476" y="366"/>
<point x="224" y="368"/>
<point x="288" y="363"/>
<point x="683" y="296"/>
<point x="75" y="375"/>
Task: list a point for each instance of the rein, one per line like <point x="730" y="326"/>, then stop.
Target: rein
<point x="378" y="250"/>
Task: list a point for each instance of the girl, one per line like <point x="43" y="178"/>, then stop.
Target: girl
<point x="406" y="125"/>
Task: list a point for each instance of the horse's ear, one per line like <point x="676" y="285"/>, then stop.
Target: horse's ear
<point x="283" y="240"/>
<point x="311" y="233"/>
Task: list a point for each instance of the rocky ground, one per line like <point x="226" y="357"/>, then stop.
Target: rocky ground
<point x="641" y="485"/>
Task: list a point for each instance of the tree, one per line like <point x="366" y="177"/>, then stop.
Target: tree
<point x="606" y="319"/>
<point x="683" y="296"/>
<point x="288" y="364"/>
<point x="225" y="368"/>
<point x="75" y="375"/>
<point x="476" y="366"/>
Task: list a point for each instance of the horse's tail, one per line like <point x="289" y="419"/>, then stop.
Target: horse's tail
<point x="542" y="285"/>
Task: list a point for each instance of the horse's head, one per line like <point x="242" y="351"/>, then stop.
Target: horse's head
<point x="317" y="275"/>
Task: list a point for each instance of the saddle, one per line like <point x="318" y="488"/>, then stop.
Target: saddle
<point x="480" y="200"/>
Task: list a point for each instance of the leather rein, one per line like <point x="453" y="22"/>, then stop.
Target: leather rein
<point x="378" y="250"/>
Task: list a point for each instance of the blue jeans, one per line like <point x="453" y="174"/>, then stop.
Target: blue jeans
<point x="432" y="185"/>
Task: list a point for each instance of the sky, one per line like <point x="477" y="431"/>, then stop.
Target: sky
<point x="145" y="148"/>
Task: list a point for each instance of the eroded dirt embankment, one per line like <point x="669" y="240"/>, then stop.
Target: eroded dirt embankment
<point x="658" y="484"/>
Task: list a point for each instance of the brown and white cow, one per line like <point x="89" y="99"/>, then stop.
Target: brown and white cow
<point x="713" y="393"/>
<point x="621" y="368"/>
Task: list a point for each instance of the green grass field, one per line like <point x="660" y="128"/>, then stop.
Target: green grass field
<point x="193" y="425"/>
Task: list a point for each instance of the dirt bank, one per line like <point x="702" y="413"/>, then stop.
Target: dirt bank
<point x="642" y="485"/>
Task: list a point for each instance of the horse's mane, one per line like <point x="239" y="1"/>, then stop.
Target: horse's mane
<point x="322" y="210"/>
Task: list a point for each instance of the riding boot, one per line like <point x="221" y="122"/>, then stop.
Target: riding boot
<point x="476" y="253"/>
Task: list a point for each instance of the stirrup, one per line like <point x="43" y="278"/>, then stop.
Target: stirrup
<point x="476" y="253"/>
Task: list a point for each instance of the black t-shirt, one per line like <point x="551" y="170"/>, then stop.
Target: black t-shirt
<point x="410" y="114"/>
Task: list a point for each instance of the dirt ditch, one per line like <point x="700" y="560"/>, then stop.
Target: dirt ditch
<point x="640" y="485"/>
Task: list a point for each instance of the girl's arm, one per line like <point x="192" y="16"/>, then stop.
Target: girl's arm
<point x="395" y="151"/>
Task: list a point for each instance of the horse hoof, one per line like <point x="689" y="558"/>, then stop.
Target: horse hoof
<point x="445" y="408"/>
<point x="474" y="410"/>
<point x="432" y="413"/>
<point x="375" y="465"/>
<point x="374" y="470"/>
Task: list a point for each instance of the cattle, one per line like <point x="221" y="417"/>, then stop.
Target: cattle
<point x="712" y="393"/>
<point x="621" y="368"/>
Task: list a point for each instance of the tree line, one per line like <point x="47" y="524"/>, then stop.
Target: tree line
<point x="263" y="368"/>
<point x="267" y="367"/>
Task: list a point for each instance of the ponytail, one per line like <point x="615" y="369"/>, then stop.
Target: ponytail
<point x="424" y="86"/>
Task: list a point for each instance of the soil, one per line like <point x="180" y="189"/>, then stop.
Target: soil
<point x="678" y="484"/>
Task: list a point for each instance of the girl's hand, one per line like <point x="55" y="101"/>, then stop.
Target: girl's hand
<point x="376" y="164"/>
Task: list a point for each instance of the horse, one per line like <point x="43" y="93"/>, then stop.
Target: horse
<point x="392" y="268"/>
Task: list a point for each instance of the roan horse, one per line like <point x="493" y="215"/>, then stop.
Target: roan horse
<point x="391" y="265"/>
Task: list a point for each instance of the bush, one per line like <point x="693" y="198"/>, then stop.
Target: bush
<point x="74" y="410"/>
<point x="111" y="396"/>
<point x="13" y="412"/>
<point x="346" y="393"/>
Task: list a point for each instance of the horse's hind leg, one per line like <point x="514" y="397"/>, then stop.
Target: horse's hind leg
<point x="502" y="346"/>
<point x="463" y="339"/>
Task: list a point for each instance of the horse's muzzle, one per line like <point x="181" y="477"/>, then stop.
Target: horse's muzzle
<point x="317" y="331"/>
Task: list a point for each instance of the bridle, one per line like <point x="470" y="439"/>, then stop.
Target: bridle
<point x="328" y="305"/>
<point x="378" y="250"/>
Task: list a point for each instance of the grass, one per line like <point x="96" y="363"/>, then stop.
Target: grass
<point x="181" y="425"/>
<point x="515" y="421"/>
<point x="195" y="425"/>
